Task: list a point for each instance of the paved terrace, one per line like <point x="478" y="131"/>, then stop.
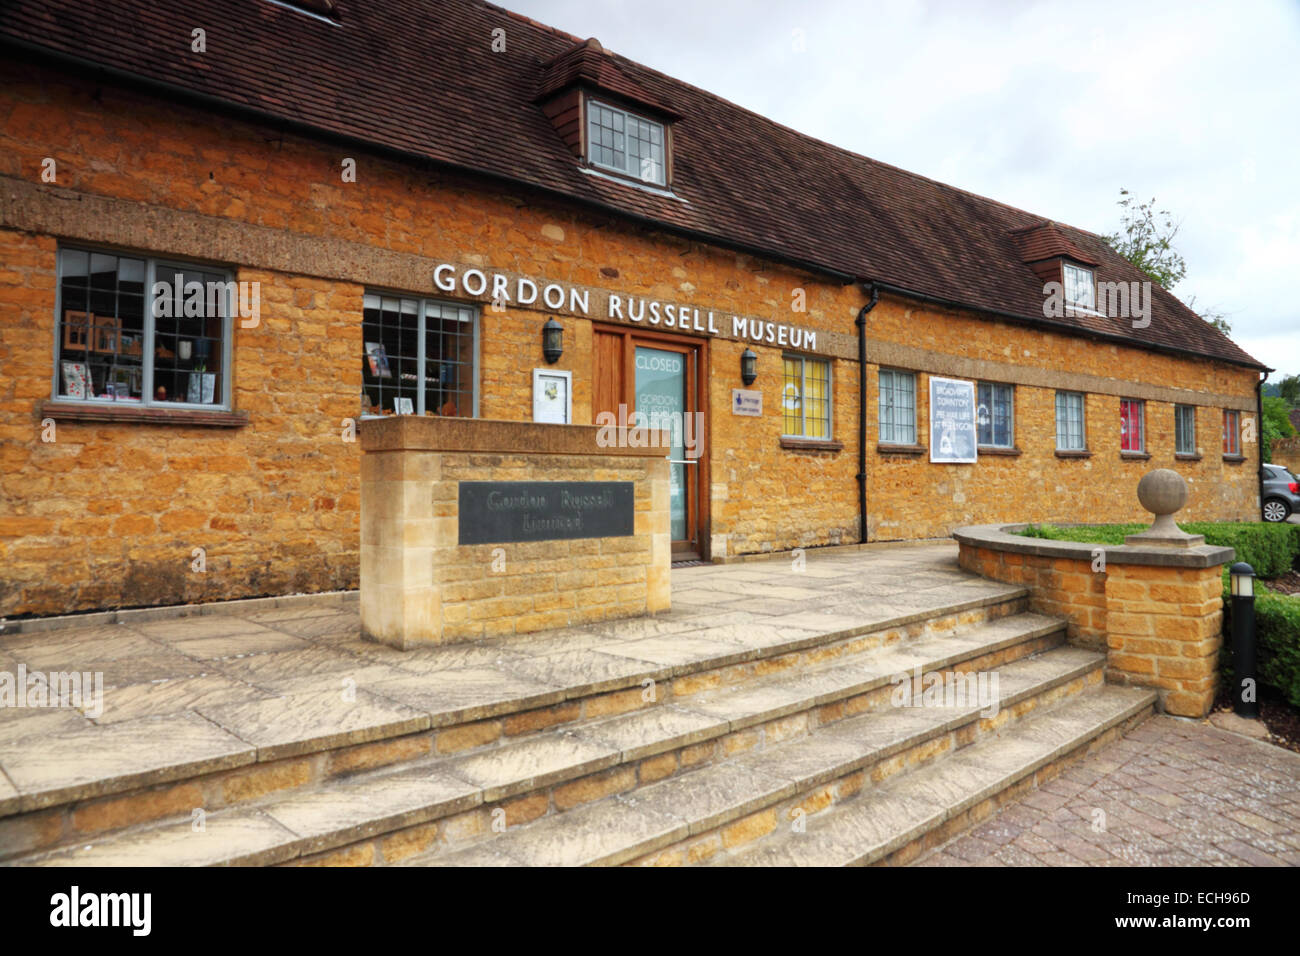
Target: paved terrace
<point x="218" y="690"/>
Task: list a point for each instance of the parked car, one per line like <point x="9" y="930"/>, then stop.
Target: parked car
<point x="1281" y="492"/>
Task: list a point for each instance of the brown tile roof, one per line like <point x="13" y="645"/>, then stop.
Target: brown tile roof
<point x="1047" y="241"/>
<point x="421" y="77"/>
<point x="588" y="64"/>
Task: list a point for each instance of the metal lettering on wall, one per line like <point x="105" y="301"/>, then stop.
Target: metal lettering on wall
<point x="499" y="512"/>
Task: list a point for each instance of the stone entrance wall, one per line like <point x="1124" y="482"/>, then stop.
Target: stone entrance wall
<point x="420" y="586"/>
<point x="1157" y="612"/>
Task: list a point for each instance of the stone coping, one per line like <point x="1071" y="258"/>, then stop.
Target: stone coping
<point x="1003" y="537"/>
<point x="427" y="433"/>
<point x="167" y="612"/>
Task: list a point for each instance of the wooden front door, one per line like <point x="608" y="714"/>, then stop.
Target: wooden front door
<point x="661" y="378"/>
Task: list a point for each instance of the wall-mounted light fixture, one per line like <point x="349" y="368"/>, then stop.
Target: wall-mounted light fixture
<point x="748" y="367"/>
<point x="552" y="341"/>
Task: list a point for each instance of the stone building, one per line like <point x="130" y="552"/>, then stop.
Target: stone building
<point x="239" y="229"/>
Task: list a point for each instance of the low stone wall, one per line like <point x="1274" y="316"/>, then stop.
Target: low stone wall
<point x="419" y="585"/>
<point x="1157" y="612"/>
<point x="1286" y="451"/>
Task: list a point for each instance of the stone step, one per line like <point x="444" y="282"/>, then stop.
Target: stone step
<point x="922" y="809"/>
<point x="614" y="752"/>
<point x="194" y="743"/>
<point x="706" y="802"/>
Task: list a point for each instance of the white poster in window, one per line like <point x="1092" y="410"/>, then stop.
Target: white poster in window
<point x="552" y="396"/>
<point x="952" y="420"/>
<point x="404" y="406"/>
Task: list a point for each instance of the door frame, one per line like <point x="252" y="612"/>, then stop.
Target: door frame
<point x="697" y="389"/>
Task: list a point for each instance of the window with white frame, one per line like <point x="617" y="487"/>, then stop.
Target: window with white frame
<point x="1185" y="429"/>
<point x="1070" y="434"/>
<point x="143" y="331"/>
<point x="994" y="416"/>
<point x="1132" y="425"/>
<point x="897" y="407"/>
<point x="1079" y="290"/>
<point x="1232" y="433"/>
<point x="626" y="143"/>
<point x="419" y="357"/>
<point x="806" y="398"/>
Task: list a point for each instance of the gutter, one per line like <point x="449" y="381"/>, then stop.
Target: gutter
<point x="1259" y="454"/>
<point x="861" y="323"/>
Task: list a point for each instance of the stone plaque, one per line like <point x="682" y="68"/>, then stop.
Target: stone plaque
<point x="499" y="512"/>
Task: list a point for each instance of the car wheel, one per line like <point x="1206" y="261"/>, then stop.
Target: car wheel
<point x="1276" y="510"/>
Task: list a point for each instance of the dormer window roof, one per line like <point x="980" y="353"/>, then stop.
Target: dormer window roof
<point x="611" y="123"/>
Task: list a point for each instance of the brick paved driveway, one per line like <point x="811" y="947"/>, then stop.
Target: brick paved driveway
<point x="1170" y="793"/>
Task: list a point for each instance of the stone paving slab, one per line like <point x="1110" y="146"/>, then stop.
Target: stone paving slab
<point x="266" y="677"/>
<point x="1171" y="792"/>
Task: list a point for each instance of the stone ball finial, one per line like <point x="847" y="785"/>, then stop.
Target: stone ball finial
<point x="1162" y="491"/>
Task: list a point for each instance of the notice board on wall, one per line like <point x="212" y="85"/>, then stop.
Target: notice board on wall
<point x="952" y="421"/>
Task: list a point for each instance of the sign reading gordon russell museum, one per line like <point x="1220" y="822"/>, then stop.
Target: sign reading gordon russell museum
<point x="500" y="512"/>
<point x="505" y="290"/>
<point x="952" y="420"/>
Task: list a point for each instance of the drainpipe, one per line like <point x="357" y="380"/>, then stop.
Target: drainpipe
<point x="1259" y="430"/>
<point x="861" y="323"/>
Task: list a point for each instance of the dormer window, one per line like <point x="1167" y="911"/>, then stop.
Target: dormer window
<point x="1079" y="290"/>
<point x="625" y="143"/>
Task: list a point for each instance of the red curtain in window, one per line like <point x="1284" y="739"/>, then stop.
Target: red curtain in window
<point x="1130" y="426"/>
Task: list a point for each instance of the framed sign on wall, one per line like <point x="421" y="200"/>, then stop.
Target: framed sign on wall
<point x="552" y="396"/>
<point x="952" y="421"/>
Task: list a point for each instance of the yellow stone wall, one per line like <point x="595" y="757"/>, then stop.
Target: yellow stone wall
<point x="109" y="514"/>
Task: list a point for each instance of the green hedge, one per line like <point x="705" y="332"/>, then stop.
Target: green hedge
<point x="1271" y="549"/>
<point x="1277" y="633"/>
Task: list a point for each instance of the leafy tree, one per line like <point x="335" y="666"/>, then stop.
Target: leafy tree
<point x="1146" y="239"/>
<point x="1289" y="389"/>
<point x="1276" y="424"/>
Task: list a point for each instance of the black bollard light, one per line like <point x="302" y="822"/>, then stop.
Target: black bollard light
<point x="1245" y="696"/>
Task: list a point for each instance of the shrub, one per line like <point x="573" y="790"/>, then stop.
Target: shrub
<point x="1277" y="635"/>
<point x="1271" y="549"/>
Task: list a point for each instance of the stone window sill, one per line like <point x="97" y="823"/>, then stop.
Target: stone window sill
<point x="998" y="450"/>
<point x="1234" y="459"/>
<point x="810" y="444"/>
<point x="1181" y="456"/>
<point x="1080" y="453"/>
<point x="1135" y="456"/>
<point x="886" y="448"/>
<point x="148" y="415"/>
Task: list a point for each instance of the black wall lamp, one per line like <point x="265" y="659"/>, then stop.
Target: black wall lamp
<point x="748" y="367"/>
<point x="552" y="341"/>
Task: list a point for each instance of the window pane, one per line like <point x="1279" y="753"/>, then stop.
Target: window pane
<point x="897" y="407"/>
<point x="1078" y="287"/>
<point x="1185" y="429"/>
<point x="1069" y="421"/>
<point x="187" y="352"/>
<point x="1130" y="425"/>
<point x="792" y="397"/>
<point x="100" y="345"/>
<point x="817" y="408"/>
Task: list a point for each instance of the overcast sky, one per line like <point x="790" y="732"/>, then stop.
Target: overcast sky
<point x="1052" y="107"/>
